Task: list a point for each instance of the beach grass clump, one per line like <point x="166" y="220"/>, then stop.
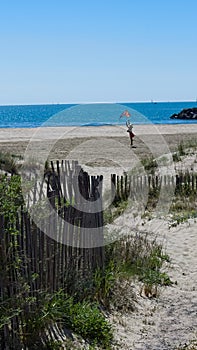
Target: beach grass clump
<point x="181" y="217"/>
<point x="128" y="261"/>
<point x="145" y="260"/>
<point x="114" y="211"/>
<point x="9" y="163"/>
<point x="182" y="211"/>
<point x="150" y="165"/>
<point x="184" y="148"/>
<point x="184" y="205"/>
<point x="136" y="257"/>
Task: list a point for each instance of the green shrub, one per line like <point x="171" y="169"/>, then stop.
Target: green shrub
<point x="84" y="318"/>
<point x="10" y="196"/>
<point x="88" y="321"/>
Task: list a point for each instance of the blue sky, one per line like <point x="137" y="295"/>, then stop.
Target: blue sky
<point x="97" y="51"/>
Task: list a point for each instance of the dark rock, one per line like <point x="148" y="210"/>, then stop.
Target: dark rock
<point x="190" y="113"/>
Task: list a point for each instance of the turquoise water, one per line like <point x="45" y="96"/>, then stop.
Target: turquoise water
<point x="91" y="114"/>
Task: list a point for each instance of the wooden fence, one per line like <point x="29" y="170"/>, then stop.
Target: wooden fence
<point x="129" y="186"/>
<point x="33" y="262"/>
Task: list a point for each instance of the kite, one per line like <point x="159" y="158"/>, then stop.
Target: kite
<point x="125" y="114"/>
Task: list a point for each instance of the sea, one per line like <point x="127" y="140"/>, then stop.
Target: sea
<point x="94" y="114"/>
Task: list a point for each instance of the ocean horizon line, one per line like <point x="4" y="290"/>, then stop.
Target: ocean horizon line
<point x="94" y="102"/>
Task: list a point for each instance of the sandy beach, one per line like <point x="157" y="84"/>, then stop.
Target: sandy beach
<point x="149" y="139"/>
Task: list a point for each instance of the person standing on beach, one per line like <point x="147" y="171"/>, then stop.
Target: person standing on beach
<point x="130" y="131"/>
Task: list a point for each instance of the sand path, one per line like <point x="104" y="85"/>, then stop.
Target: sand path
<point x="171" y="319"/>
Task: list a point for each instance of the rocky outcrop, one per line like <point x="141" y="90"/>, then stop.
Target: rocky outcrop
<point x="190" y="113"/>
